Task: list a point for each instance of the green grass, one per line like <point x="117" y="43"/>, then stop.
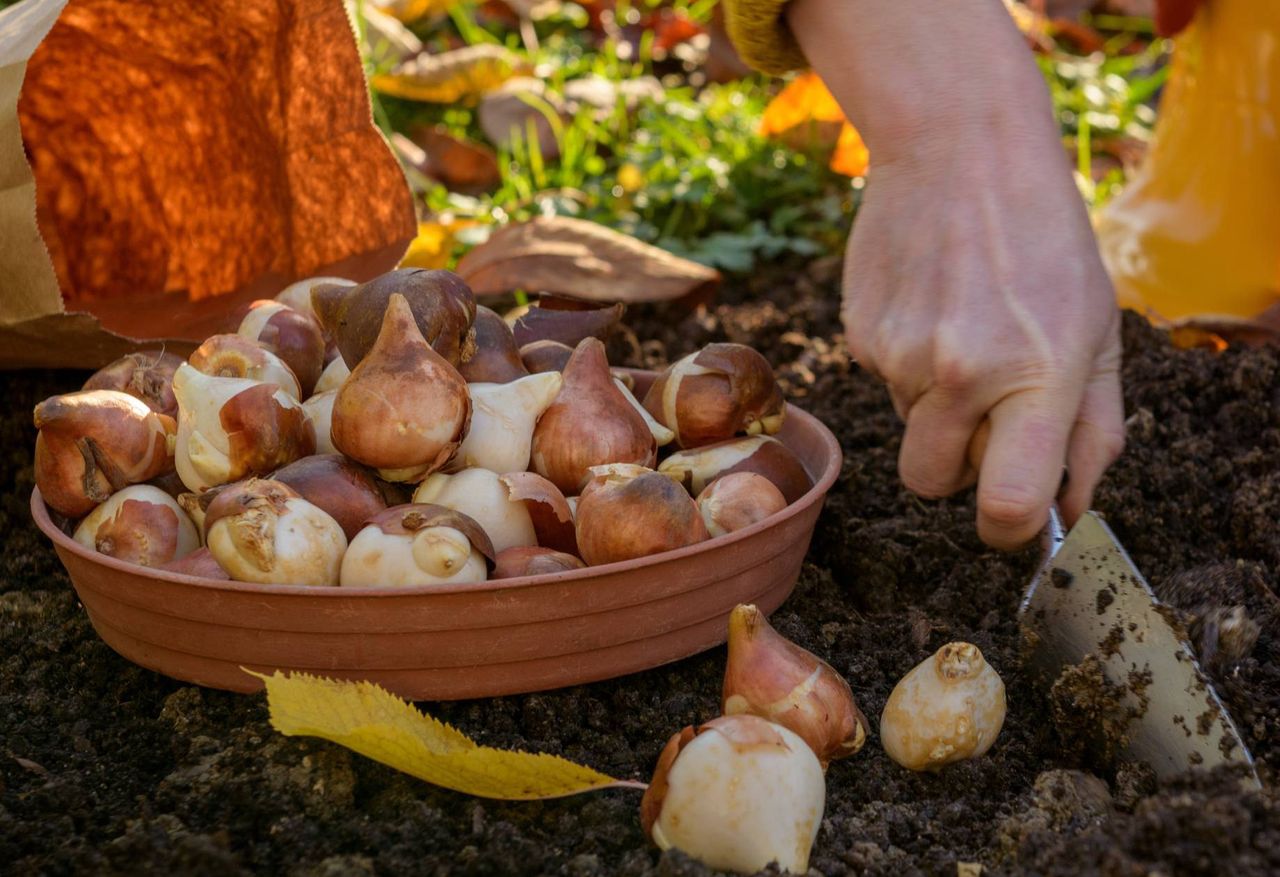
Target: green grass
<point x="709" y="186"/>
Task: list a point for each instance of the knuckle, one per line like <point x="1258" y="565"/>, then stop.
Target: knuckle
<point x="1012" y="510"/>
<point x="955" y="369"/>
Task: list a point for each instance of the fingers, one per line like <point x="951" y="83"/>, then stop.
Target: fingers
<point x="1096" y="440"/>
<point x="1022" y="466"/>
<point x="933" y="461"/>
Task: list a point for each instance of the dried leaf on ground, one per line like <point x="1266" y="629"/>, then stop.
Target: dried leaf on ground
<point x="459" y="75"/>
<point x="375" y="723"/>
<point x="519" y="105"/>
<point x="409" y="11"/>
<point x="459" y="164"/>
<point x="850" y="156"/>
<point x="434" y="243"/>
<point x="805" y="115"/>
<point x="580" y="259"/>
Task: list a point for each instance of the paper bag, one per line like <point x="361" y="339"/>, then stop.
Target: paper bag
<point x="164" y="163"/>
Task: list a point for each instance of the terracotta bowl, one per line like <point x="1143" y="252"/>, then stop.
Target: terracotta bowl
<point x="457" y="641"/>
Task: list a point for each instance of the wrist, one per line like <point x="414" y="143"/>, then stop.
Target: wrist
<point x="973" y="80"/>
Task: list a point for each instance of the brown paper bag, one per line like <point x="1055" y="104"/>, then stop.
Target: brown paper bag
<point x="181" y="159"/>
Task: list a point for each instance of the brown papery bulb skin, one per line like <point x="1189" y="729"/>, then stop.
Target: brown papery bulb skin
<point x="764" y="455"/>
<point x="442" y="304"/>
<point x="533" y="560"/>
<point x="404" y="410"/>
<point x="146" y="375"/>
<point x="590" y="423"/>
<point x="569" y="321"/>
<point x="341" y="487"/>
<point x="719" y="392"/>
<point x="201" y="564"/>
<point x="95" y="442"/>
<point x="769" y="676"/>
<point x="293" y="336"/>
<point x="738" y="500"/>
<point x="140" y="524"/>
<point x="496" y="359"/>
<point x="636" y="517"/>
<point x="545" y="356"/>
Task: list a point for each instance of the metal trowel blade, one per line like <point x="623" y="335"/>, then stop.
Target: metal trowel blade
<point x="1089" y="598"/>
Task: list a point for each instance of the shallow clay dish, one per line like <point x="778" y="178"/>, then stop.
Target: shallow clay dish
<point x="457" y="641"/>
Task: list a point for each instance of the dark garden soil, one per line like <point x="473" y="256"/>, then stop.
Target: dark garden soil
<point x="107" y="768"/>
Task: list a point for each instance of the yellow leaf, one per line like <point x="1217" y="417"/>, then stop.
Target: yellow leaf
<point x="805" y="99"/>
<point x="434" y="244"/>
<point x="851" y="156"/>
<point x="409" y="11"/>
<point x="377" y="724"/>
<point x="464" y="73"/>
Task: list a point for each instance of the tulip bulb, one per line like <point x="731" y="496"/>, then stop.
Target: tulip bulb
<point x="503" y="417"/>
<point x="769" y="676"/>
<point x="950" y="707"/>
<point x="234" y="356"/>
<point x="140" y="524"/>
<point x="545" y="356"/>
<point x="481" y="495"/>
<point x="419" y="544"/>
<point x="333" y="376"/>
<point x="262" y="531"/>
<point x="199" y="563"/>
<point x="319" y="411"/>
<point x="715" y="394"/>
<point x="764" y="455"/>
<point x="590" y="423"/>
<point x="95" y="442"/>
<point x="628" y="517"/>
<point x="146" y="375"/>
<point x="737" y="794"/>
<point x="404" y="410"/>
<point x="292" y="335"/>
<point x="496" y="359"/>
<point x="443" y="307"/>
<point x="549" y="510"/>
<point x="342" y="488"/>
<point x="738" y="500"/>
<point x="661" y="434"/>
<point x="533" y="560"/>
<point x="298" y="295"/>
<point x="230" y="428"/>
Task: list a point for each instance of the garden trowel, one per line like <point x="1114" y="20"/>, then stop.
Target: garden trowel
<point x="1088" y="598"/>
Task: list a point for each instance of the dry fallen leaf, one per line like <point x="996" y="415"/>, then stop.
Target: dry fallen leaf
<point x="805" y="103"/>
<point x="805" y="115"/>
<point x="851" y="156"/>
<point x="580" y="259"/>
<point x="378" y="725"/>
<point x="459" y="164"/>
<point x="409" y="11"/>
<point x="434" y="243"/>
<point x="521" y="103"/>
<point x="459" y="75"/>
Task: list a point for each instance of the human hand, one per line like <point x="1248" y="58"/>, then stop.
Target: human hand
<point x="982" y="302"/>
<point x="973" y="284"/>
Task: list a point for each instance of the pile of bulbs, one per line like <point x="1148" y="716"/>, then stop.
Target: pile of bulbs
<point x="393" y="433"/>
<point x="748" y="788"/>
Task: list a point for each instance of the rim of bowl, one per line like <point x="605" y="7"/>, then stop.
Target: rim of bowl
<point x="833" y="458"/>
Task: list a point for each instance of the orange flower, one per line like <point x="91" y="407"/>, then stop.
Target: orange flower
<point x="805" y="114"/>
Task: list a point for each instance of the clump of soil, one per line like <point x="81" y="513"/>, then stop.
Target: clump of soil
<point x="107" y="768"/>
<point x="1090" y="714"/>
